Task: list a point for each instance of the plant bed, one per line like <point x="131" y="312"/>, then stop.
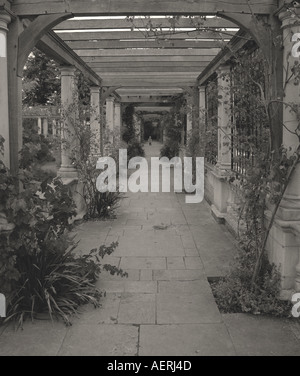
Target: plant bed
<point x="39" y="270"/>
<point x="232" y="296"/>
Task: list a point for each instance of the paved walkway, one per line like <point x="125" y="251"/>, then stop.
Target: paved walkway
<point x="165" y="306"/>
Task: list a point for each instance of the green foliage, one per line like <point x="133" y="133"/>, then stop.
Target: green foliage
<point x="129" y="134"/>
<point x="234" y="293"/>
<point x="37" y="148"/>
<point x="39" y="271"/>
<point x="135" y="149"/>
<point x="41" y="83"/>
<point x="98" y="204"/>
<point x="174" y="122"/>
<point x="210" y="128"/>
<point x="170" y="149"/>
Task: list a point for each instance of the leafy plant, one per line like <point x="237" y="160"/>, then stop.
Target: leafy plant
<point x="129" y="133"/>
<point x="135" y="149"/>
<point x="235" y="294"/>
<point x="39" y="270"/>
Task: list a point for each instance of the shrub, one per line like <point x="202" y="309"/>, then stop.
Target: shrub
<point x="39" y="270"/>
<point x="170" y="150"/>
<point x="234" y="293"/>
<point x="135" y="149"/>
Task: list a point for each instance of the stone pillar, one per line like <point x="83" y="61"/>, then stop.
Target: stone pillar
<point x="202" y="118"/>
<point x="189" y="118"/>
<point x="284" y="239"/>
<point x="95" y="120"/>
<point x="110" y="114"/>
<point x="4" y="118"/>
<point x="224" y="129"/>
<point x="117" y="124"/>
<point x="54" y="128"/>
<point x="138" y="127"/>
<point x="67" y="170"/>
<point x="39" y="122"/>
<point x="45" y="127"/>
<point x="221" y="188"/>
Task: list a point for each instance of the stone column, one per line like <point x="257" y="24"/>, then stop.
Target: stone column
<point x="202" y="118"/>
<point x="110" y="114"/>
<point x="220" y="172"/>
<point x="284" y="239"/>
<point x="4" y="118"/>
<point x="189" y="117"/>
<point x="95" y="120"/>
<point x="39" y="123"/>
<point x="117" y="124"/>
<point x="67" y="170"/>
<point x="224" y="129"/>
<point x="45" y="127"/>
<point x="54" y="128"/>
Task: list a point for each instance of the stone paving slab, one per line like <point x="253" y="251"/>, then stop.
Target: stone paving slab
<point x="178" y="275"/>
<point x="100" y="340"/>
<point x="193" y="262"/>
<point x="106" y="314"/>
<point x="137" y="308"/>
<point x="184" y="287"/>
<point x="185" y="340"/>
<point x="146" y="287"/>
<point x="187" y="309"/>
<point x="41" y="338"/>
<point x="261" y="336"/>
<point x="143" y="263"/>
<point x="175" y="263"/>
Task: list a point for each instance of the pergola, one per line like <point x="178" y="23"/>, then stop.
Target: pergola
<point x="125" y="62"/>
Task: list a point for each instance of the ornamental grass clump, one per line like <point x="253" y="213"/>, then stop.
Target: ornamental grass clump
<point x="40" y="272"/>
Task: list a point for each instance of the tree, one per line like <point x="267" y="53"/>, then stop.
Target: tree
<point x="41" y="82"/>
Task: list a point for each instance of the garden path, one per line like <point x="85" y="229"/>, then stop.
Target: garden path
<point x="165" y="306"/>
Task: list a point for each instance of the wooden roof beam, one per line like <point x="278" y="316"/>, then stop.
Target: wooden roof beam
<point x="131" y="35"/>
<point x="142" y="23"/>
<point x="141" y="7"/>
<point x="55" y="48"/>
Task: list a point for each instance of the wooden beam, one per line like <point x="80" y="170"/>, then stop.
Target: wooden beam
<point x="117" y="44"/>
<point x="146" y="99"/>
<point x="147" y="52"/>
<point x="131" y="35"/>
<point x="140" y="7"/>
<point x="158" y="75"/>
<point x="234" y="45"/>
<point x="142" y="23"/>
<point x="149" y="82"/>
<point x="150" y="64"/>
<point x="33" y="33"/>
<point x="162" y="92"/>
<point x="144" y="59"/>
<point x="55" y="48"/>
<point x="169" y="68"/>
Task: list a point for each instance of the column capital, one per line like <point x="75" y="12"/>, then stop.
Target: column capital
<point x="289" y="17"/>
<point x="67" y="70"/>
<point x="5" y="19"/>
<point x="223" y="69"/>
<point x="95" y="89"/>
<point x="201" y="88"/>
<point x="117" y="104"/>
<point x="110" y="99"/>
